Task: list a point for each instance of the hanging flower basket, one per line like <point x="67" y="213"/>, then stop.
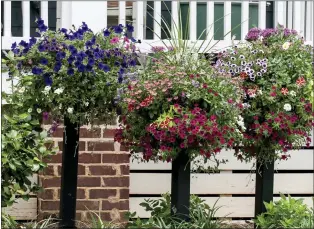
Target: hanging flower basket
<point x="170" y="110"/>
<point x="72" y="73"/>
<point x="277" y="73"/>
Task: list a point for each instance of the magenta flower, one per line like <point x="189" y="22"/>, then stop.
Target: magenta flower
<point x="114" y="40"/>
<point x="45" y="115"/>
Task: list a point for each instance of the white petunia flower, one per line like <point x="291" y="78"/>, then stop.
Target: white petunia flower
<point x="38" y="110"/>
<point x="29" y="110"/>
<point x="46" y="90"/>
<point x="286" y="45"/>
<point x="287" y="107"/>
<point x="22" y="89"/>
<point x="59" y="91"/>
<point x="86" y="104"/>
<point x="70" y="110"/>
<point x="293" y="93"/>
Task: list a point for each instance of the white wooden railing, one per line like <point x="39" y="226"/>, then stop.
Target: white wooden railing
<point x="296" y="15"/>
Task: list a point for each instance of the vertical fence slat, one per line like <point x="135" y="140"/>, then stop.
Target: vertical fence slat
<point x="122" y="12"/>
<point x="7" y="19"/>
<point x="175" y="18"/>
<point x="193" y="20"/>
<point x="309" y="21"/>
<point x="290" y="14"/>
<point x="66" y="14"/>
<point x="297" y="17"/>
<point x="302" y="21"/>
<point x="26" y="18"/>
<point x="44" y="11"/>
<point x="210" y="19"/>
<point x="157" y="20"/>
<point x="280" y="13"/>
<point x="106" y="14"/>
<point x="139" y="24"/>
<point x="244" y="19"/>
<point x="262" y="14"/>
<point x="227" y="20"/>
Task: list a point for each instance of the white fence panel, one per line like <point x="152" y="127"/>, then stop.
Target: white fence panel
<point x="235" y="207"/>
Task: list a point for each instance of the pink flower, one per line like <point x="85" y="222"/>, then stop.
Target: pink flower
<point x="114" y="40"/>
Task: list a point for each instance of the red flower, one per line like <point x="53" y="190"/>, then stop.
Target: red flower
<point x="284" y="91"/>
<point x="243" y="75"/>
<point x="300" y="81"/>
<point x="273" y="94"/>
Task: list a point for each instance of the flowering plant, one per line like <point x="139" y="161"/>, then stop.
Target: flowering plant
<point x="170" y="110"/>
<point x="276" y="69"/>
<point x="73" y="73"/>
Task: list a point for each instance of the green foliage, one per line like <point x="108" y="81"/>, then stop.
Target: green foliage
<point x="24" y="146"/>
<point x="201" y="215"/>
<point x="286" y="213"/>
<point x="7" y="222"/>
<point x="98" y="223"/>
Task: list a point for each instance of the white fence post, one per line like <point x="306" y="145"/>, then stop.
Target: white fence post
<point x="175" y="19"/>
<point x="139" y="20"/>
<point x="297" y="16"/>
<point x="262" y="14"/>
<point x="157" y="20"/>
<point x="122" y="12"/>
<point x="280" y="13"/>
<point x="290" y="15"/>
<point x="227" y="20"/>
<point x="309" y="21"/>
<point x="26" y="18"/>
<point x="244" y="19"/>
<point x="193" y="20"/>
<point x="44" y="11"/>
<point x="210" y="19"/>
<point x="7" y="19"/>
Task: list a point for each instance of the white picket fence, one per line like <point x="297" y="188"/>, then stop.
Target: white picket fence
<point x="235" y="190"/>
<point x="296" y="15"/>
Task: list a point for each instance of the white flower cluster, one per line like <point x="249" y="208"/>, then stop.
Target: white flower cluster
<point x="59" y="91"/>
<point x="240" y="122"/>
<point x="287" y="107"/>
<point x="46" y="90"/>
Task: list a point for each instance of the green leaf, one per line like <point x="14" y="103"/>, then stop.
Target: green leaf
<point x="23" y="116"/>
<point x="35" y="167"/>
<point x="12" y="166"/>
<point x="43" y="134"/>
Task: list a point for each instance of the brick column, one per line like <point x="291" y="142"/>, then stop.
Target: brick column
<point x="103" y="177"/>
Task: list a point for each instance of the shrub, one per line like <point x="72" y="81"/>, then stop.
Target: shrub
<point x="201" y="215"/>
<point x="286" y="213"/>
<point x="24" y="145"/>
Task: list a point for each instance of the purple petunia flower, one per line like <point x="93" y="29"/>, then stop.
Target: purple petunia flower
<point x="45" y="115"/>
<point x="253" y="34"/>
<point x="130" y="28"/>
<point x="37" y="71"/>
<point x="106" y="33"/>
<point x="47" y="79"/>
<point x="70" y="71"/>
<point x="43" y="61"/>
<point x="118" y="29"/>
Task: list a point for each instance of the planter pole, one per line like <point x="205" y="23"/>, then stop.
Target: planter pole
<point x="264" y="186"/>
<point x="69" y="174"/>
<point x="180" y="186"/>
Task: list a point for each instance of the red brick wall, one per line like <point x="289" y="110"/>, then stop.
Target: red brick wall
<point x="103" y="177"/>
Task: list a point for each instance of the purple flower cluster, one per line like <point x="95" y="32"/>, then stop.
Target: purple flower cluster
<point x="238" y="64"/>
<point x="256" y="33"/>
<point x="87" y="59"/>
